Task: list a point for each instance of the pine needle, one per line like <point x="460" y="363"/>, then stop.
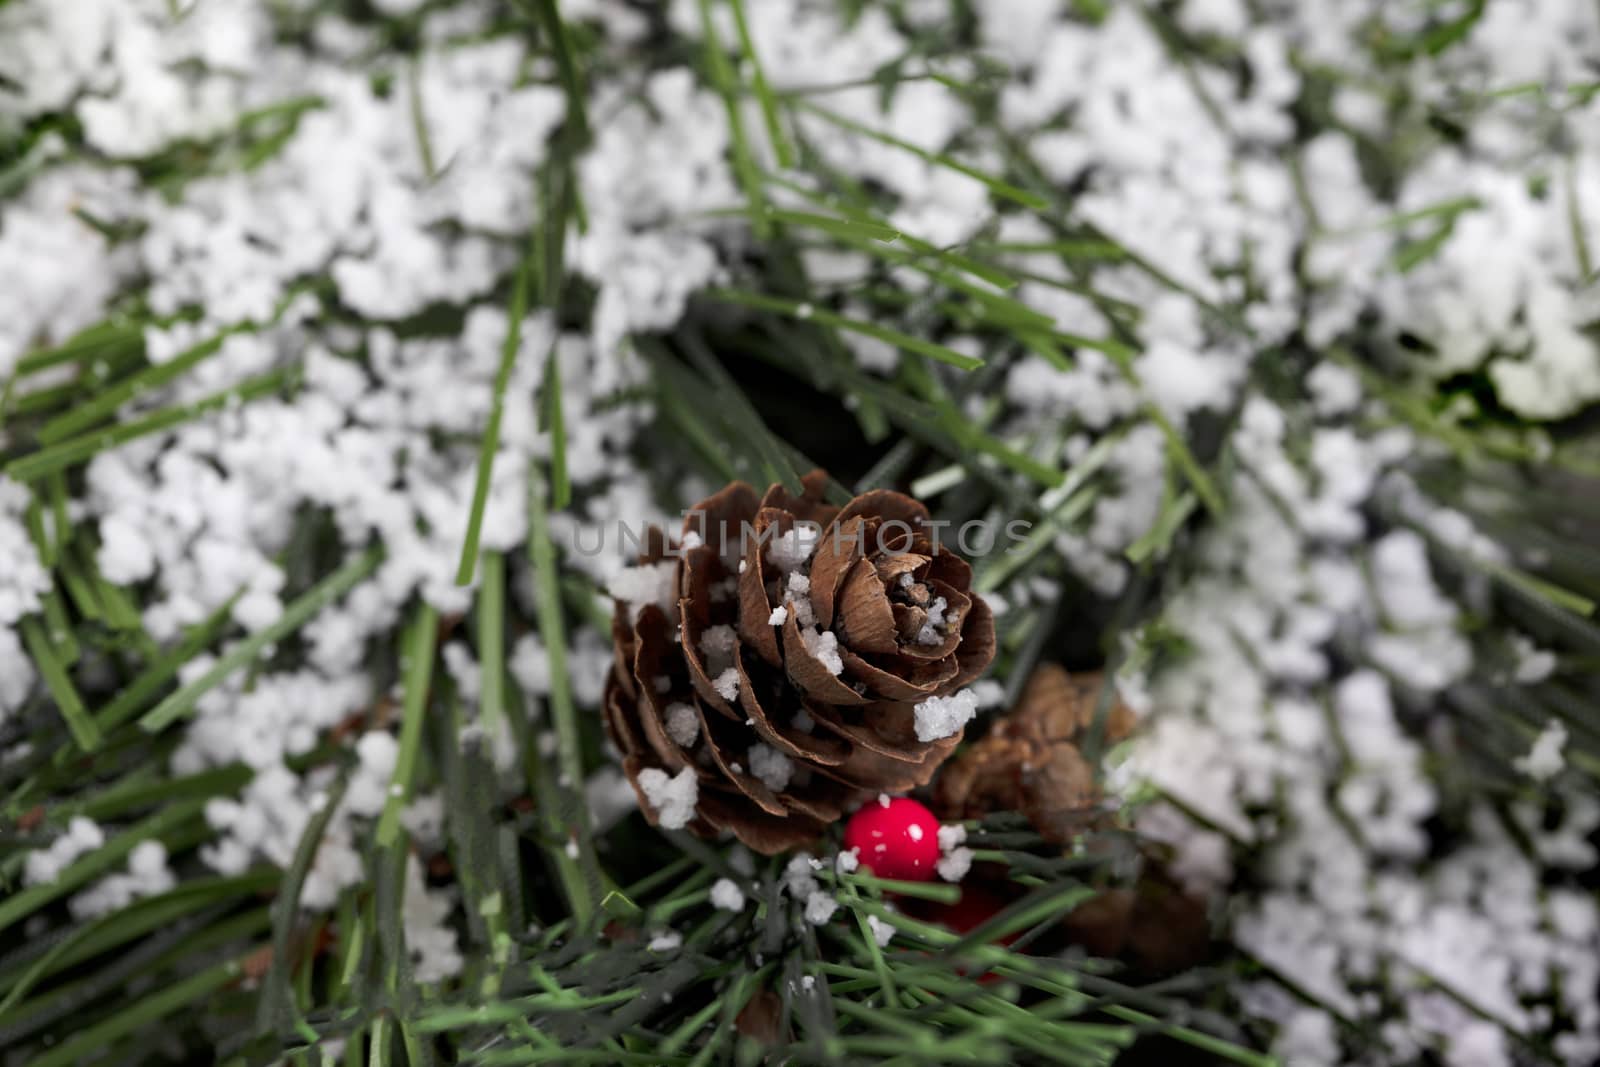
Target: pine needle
<point x="276" y="1004"/>
<point x="105" y="403"/>
<point x="158" y="1005"/>
<point x="54" y="673"/>
<point x="163" y="668"/>
<point x="24" y="902"/>
<point x="1154" y="542"/>
<point x="563" y="710"/>
<point x="295" y="615"/>
<point x="492" y="642"/>
<point x="97" y="342"/>
<point x="491" y="430"/>
<point x="67" y="452"/>
<point x="416" y="665"/>
<point x="809" y="312"/>
<point x="419" y="120"/>
<point x="548" y="17"/>
<point x="758" y="81"/>
<point x="720" y="72"/>
<point x="553" y="422"/>
<point x="1003" y="189"/>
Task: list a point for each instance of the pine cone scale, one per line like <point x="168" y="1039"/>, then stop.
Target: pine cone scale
<point x="885" y="505"/>
<point x="756" y="829"/>
<point x="925" y="680"/>
<point x="722" y="512"/>
<point x="754" y="611"/>
<point x="876" y="771"/>
<point x="722" y="735"/>
<point x="807" y="507"/>
<point x="836" y="554"/>
<point x="789" y="740"/>
<point x="650" y="663"/>
<point x="977" y="650"/>
<point x="890" y="568"/>
<point x="809" y="673"/>
<point x="866" y="620"/>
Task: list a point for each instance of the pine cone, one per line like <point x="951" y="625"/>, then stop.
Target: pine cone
<point x="784" y="667"/>
<point x="1030" y="762"/>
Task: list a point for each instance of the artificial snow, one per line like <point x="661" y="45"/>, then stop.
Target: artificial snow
<point x="932" y="631"/>
<point x="609" y="797"/>
<point x="683" y="724"/>
<point x="799" y="875"/>
<point x="940" y="717"/>
<point x="825" y="647"/>
<point x="648" y="583"/>
<point x="954" y="864"/>
<point x="22" y="579"/>
<point x="772" y="767"/>
<point x="429" y="938"/>
<point x="44" y="865"/>
<point x="147" y="875"/>
<point x="988" y="693"/>
<point x="727" y="684"/>
<point x="726" y="895"/>
<point x="717" y="645"/>
<point x="797" y="599"/>
<point x="1543" y="761"/>
<point x="789" y="551"/>
<point x="673" y="798"/>
<point x="666" y="941"/>
<point x="820" y="907"/>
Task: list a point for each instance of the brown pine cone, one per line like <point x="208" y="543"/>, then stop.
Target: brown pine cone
<point x="1154" y="926"/>
<point x="1029" y="761"/>
<point x="779" y="657"/>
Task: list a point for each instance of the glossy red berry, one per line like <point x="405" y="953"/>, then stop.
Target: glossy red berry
<point x="898" y="839"/>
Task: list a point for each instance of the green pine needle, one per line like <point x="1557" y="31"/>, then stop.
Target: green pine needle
<point x="54" y="673"/>
<point x="295" y="615"/>
<point x="725" y="81"/>
<point x="64" y="452"/>
<point x="553" y="421"/>
<point x="758" y="81"/>
<point x="141" y="1013"/>
<point x="100" y="341"/>
<point x="105" y="403"/>
<point x="563" y="710"/>
<point x="1155" y="542"/>
<point x="491" y="430"/>
<point x="491" y="611"/>
<point x="416" y="665"/>
<point x="163" y="668"/>
<point x="999" y="187"/>
<point x="809" y="312"/>
<point x="555" y="32"/>
<point x="25" y="902"/>
<point x="276" y="1002"/>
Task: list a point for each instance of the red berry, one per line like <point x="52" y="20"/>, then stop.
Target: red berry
<point x="898" y="839"/>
